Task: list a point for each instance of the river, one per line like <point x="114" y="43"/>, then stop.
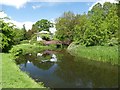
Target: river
<point x="62" y="70"/>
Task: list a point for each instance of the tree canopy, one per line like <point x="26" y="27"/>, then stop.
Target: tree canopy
<point x="43" y="24"/>
<point x="98" y="27"/>
<point x="9" y="35"/>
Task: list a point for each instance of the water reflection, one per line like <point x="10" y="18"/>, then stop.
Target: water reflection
<point x="66" y="71"/>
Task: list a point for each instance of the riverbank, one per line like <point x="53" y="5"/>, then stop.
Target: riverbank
<point x="99" y="53"/>
<point x="12" y="77"/>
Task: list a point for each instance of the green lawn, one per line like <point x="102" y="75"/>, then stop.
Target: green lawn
<point x="13" y="77"/>
<point x="98" y="53"/>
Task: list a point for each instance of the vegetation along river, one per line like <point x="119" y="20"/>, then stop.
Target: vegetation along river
<point x="61" y="70"/>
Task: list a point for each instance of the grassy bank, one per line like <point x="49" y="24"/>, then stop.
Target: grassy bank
<point x="98" y="53"/>
<point x="12" y="77"/>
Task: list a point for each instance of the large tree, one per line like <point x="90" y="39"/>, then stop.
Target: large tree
<point x="43" y="24"/>
<point x="6" y="35"/>
<point x="65" y="26"/>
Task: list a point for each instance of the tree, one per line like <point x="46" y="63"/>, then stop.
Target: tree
<point x="43" y="24"/>
<point x="111" y="26"/>
<point x="65" y="26"/>
<point x="19" y="35"/>
<point x="102" y="26"/>
<point x="31" y="33"/>
<point x="80" y="27"/>
<point x="98" y="27"/>
<point x="24" y="32"/>
<point x="6" y="33"/>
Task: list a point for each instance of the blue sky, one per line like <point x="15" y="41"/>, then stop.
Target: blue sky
<point x="34" y="11"/>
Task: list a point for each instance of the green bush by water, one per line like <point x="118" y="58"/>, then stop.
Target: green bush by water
<point x="23" y="49"/>
<point x="24" y="42"/>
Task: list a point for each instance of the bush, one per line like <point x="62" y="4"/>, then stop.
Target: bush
<point x="24" y="41"/>
<point x="40" y="43"/>
<point x="45" y="37"/>
<point x="113" y="41"/>
<point x="34" y="38"/>
<point x="23" y="49"/>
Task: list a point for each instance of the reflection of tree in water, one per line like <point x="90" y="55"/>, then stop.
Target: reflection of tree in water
<point x="23" y="59"/>
<point x="44" y="66"/>
<point x="66" y="68"/>
<point x="88" y="74"/>
<point x="99" y="77"/>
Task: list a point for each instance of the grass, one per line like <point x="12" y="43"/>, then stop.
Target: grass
<point x="13" y="77"/>
<point x="98" y="53"/>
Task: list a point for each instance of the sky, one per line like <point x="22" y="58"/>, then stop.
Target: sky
<point x="29" y="11"/>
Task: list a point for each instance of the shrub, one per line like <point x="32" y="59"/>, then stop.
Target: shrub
<point x="23" y="49"/>
<point x="24" y="41"/>
<point x="37" y="43"/>
<point x="45" y="37"/>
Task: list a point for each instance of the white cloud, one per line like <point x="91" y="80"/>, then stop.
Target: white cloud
<point x="2" y="15"/>
<point x="62" y="0"/>
<point x="36" y="6"/>
<point x="102" y="2"/>
<point x="88" y="4"/>
<point x="41" y="5"/>
<point x="21" y="3"/>
<point x="28" y="24"/>
<point x="16" y="3"/>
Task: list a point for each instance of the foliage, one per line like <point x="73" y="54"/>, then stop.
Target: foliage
<point x="10" y="35"/>
<point x="43" y="24"/>
<point x="24" y="49"/>
<point x="40" y="43"/>
<point x="45" y="36"/>
<point x="19" y="35"/>
<point x="6" y="33"/>
<point x="65" y="25"/>
<point x="30" y="33"/>
<point x="24" y="41"/>
<point x="34" y="41"/>
<point x="34" y="37"/>
<point x="98" y="27"/>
